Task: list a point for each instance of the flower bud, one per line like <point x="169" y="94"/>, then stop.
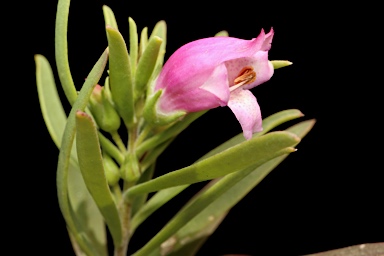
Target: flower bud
<point x="102" y="110"/>
<point x="111" y="169"/>
<point x="130" y="170"/>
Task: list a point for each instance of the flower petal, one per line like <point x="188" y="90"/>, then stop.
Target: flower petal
<point x="263" y="68"/>
<point x="260" y="64"/>
<point x="247" y="111"/>
<point x="214" y="92"/>
<point x="267" y="41"/>
<point x="194" y="62"/>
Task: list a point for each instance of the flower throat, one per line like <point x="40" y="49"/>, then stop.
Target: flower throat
<point x="246" y="76"/>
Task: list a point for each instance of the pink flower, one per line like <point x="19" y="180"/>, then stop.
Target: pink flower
<point x="217" y="71"/>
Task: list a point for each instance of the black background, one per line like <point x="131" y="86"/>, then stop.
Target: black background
<point x="326" y="195"/>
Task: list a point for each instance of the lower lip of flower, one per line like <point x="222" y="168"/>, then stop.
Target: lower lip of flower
<point x="246" y="76"/>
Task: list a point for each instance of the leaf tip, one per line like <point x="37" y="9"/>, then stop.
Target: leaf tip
<point x="81" y="114"/>
<point x="106" y="7"/>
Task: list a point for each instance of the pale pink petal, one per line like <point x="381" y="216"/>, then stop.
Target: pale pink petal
<point x="235" y="66"/>
<point x="214" y="92"/>
<point x="260" y="64"/>
<point x="267" y="41"/>
<point x="247" y="111"/>
<point x="198" y="76"/>
<point x="194" y="62"/>
<point x="217" y="84"/>
<point x="263" y="68"/>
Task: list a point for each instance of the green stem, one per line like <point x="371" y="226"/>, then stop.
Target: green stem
<point x="132" y="137"/>
<point x="125" y="211"/>
<point x="111" y="149"/>
<point x="117" y="192"/>
<point x="117" y="139"/>
<point x="144" y="133"/>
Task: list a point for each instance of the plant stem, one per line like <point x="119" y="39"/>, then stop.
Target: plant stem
<point x="143" y="134"/>
<point x="109" y="147"/>
<point x="132" y="137"/>
<point x="125" y="218"/>
<point x="116" y="138"/>
<point x="117" y="192"/>
<point x="125" y="206"/>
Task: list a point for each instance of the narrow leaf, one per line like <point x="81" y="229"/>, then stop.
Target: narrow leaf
<point x="206" y="198"/>
<point x="269" y="123"/>
<point x="139" y="200"/>
<point x="120" y="75"/>
<point x="66" y="146"/>
<point x="61" y="51"/>
<point x="280" y="63"/>
<point x="143" y="40"/>
<point x="206" y="222"/>
<point x="133" y="44"/>
<point x="160" y="30"/>
<point x="231" y="160"/>
<point x="111" y="149"/>
<point x="50" y="104"/>
<point x="163" y="196"/>
<point x="222" y="33"/>
<point x="86" y="214"/>
<point x="156" y="201"/>
<point x="92" y="169"/>
<point x="55" y="119"/>
<point x="146" y="65"/>
<point x="109" y="17"/>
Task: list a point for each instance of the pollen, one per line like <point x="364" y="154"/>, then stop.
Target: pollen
<point x="245" y="76"/>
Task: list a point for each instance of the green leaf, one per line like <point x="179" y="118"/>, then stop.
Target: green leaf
<point x="231" y="160"/>
<point x="86" y="214"/>
<point x="269" y="123"/>
<point x="156" y="201"/>
<point x="66" y="146"/>
<point x="133" y="44"/>
<point x="109" y="17"/>
<point x="50" y="104"/>
<point x="111" y="149"/>
<point x="275" y="144"/>
<point x="143" y="41"/>
<point x="188" y="239"/>
<point x="120" y="76"/>
<point x="92" y="169"/>
<point x="190" y="245"/>
<point x="163" y="196"/>
<point x="160" y="30"/>
<point x="146" y="65"/>
<point x="139" y="200"/>
<point x="55" y="119"/>
<point x="222" y="33"/>
<point x="280" y="63"/>
<point x="61" y="51"/>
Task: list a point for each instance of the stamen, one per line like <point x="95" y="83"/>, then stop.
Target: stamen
<point x="246" y="76"/>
